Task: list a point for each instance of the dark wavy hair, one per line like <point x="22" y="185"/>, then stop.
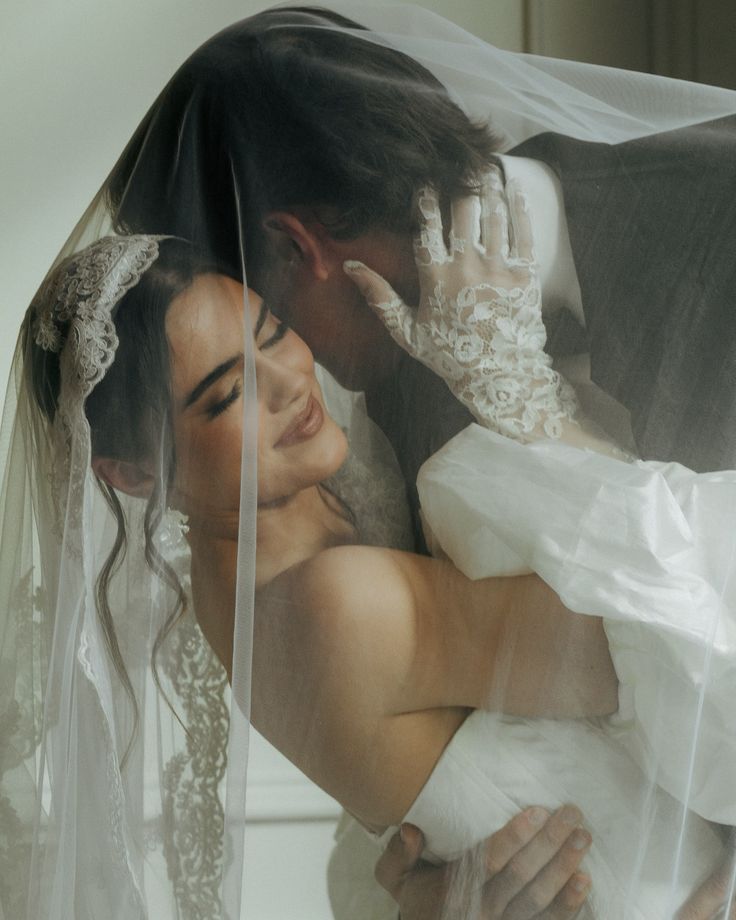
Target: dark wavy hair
<point x="286" y="109"/>
<point x="129" y="414"/>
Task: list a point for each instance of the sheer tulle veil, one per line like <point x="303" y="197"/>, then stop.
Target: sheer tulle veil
<point x="123" y="746"/>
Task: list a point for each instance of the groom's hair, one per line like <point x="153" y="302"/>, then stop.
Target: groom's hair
<point x="293" y="107"/>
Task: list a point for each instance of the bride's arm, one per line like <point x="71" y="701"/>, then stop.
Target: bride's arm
<point x="366" y="661"/>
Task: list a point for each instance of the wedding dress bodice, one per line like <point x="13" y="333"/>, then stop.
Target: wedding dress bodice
<point x="496" y="511"/>
<point x="647" y="546"/>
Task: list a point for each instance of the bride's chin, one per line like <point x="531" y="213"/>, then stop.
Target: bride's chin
<point x="335" y="450"/>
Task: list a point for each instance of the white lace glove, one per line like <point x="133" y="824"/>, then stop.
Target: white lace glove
<point x="479" y="320"/>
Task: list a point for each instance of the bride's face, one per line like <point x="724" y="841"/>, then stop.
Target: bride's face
<point x="298" y="443"/>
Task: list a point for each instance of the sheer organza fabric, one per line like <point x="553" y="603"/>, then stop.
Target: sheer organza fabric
<point x="127" y="802"/>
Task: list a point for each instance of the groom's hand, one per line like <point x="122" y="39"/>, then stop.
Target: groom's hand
<point x="530" y="870"/>
<point x="715" y="898"/>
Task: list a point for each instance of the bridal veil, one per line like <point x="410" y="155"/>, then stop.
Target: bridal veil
<point x="123" y="749"/>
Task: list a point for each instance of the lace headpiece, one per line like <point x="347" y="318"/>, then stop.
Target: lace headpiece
<point x="84" y="291"/>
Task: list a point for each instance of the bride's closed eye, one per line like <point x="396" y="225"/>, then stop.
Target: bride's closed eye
<point x="218" y="407"/>
<point x="268" y="326"/>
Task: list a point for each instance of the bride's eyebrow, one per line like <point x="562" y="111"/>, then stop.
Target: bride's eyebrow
<point x="213" y="376"/>
<point x="262" y="314"/>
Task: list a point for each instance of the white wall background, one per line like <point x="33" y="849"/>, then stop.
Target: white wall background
<point x="76" y="76"/>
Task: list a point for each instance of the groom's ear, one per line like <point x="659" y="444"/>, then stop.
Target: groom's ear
<point x="302" y="238"/>
<point x="124" y="476"/>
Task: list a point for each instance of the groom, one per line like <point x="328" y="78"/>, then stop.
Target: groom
<point x="250" y="133"/>
<point x="245" y="134"/>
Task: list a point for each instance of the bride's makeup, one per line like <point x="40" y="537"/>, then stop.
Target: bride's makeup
<point x="299" y="444"/>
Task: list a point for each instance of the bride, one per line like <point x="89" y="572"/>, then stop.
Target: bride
<point x="109" y="794"/>
<point x="325" y="689"/>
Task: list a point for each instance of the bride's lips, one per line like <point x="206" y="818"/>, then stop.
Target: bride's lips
<point x="306" y="424"/>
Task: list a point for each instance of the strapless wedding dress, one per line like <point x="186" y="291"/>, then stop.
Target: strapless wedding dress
<point x="650" y="547"/>
<point x="646" y="858"/>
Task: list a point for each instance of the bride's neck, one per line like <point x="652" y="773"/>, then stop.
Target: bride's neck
<point x="287" y="532"/>
<point x="292" y="531"/>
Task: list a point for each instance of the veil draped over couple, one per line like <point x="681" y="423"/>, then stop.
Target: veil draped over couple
<point x="383" y="399"/>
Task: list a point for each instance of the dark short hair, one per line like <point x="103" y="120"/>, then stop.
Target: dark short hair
<point x="284" y="110"/>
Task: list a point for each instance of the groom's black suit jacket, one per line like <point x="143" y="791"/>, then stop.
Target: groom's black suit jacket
<point x="652" y="225"/>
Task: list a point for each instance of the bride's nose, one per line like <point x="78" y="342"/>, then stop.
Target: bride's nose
<point x="280" y="384"/>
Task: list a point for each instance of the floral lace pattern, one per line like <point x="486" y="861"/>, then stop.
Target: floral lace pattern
<point x="83" y="290"/>
<point x="192" y="823"/>
<point x="193" y="818"/>
<point x="20" y="734"/>
<point x="73" y="317"/>
<point x="82" y="293"/>
<point x="479" y="320"/>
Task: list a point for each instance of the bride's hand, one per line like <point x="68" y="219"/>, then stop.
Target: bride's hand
<point x="530" y="870"/>
<point x="479" y="324"/>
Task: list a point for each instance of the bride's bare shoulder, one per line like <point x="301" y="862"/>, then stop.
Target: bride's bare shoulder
<point x="345" y="581"/>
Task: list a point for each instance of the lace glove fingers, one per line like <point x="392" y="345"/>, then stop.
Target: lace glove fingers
<point x="494" y="217"/>
<point x="463" y="237"/>
<point x="479" y="223"/>
<point x="490" y="243"/>
<point x="467" y="222"/>
<point x="465" y="233"/>
<point x="404" y="323"/>
<point x="429" y="242"/>
<point x="444" y="270"/>
<point x="396" y="316"/>
<point x="506" y="232"/>
<point x="522" y="248"/>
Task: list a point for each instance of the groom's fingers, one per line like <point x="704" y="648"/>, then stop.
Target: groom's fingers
<point x="516" y="887"/>
<point x="568" y="902"/>
<point x="529" y="879"/>
<point x="511" y="840"/>
<point x="714" y="895"/>
<point x="398" y="859"/>
<point x="544" y="889"/>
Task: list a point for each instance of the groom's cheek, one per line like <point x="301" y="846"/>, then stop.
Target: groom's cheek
<point x="344" y="335"/>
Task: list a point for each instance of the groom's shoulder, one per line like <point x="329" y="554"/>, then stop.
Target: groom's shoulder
<point x="695" y="146"/>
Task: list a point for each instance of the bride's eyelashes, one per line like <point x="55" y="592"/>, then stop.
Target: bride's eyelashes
<point x="221" y="405"/>
<point x="265" y="323"/>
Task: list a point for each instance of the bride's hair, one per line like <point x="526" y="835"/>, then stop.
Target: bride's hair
<point x="129" y="414"/>
<point x="283" y="110"/>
